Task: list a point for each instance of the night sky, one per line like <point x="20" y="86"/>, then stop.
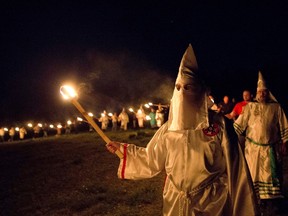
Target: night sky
<point x="123" y="54"/>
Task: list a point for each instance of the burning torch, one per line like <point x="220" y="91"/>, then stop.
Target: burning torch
<point x="69" y="93"/>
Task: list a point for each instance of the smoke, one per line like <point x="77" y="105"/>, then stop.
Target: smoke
<point x="120" y="79"/>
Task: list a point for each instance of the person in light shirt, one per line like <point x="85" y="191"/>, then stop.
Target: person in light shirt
<point x="206" y="174"/>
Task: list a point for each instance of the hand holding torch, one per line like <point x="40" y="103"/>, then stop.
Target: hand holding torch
<point x="69" y="93"/>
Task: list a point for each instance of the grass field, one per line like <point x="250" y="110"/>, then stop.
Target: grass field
<point x="74" y="175"/>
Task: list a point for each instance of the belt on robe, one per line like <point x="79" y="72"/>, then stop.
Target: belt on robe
<point x="185" y="196"/>
<point x="273" y="166"/>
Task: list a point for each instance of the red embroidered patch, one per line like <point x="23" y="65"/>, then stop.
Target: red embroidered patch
<point x="212" y="130"/>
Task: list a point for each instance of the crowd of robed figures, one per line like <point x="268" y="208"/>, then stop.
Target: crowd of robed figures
<point x="156" y="118"/>
<point x="141" y="119"/>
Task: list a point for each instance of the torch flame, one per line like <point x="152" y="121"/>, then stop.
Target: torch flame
<point x="68" y="92"/>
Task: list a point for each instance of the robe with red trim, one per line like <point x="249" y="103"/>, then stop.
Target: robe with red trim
<point x="206" y="175"/>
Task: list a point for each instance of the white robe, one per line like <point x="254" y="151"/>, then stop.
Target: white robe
<point x="205" y="175"/>
<point x="266" y="128"/>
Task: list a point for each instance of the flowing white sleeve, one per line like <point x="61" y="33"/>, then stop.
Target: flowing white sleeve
<point x="139" y="162"/>
<point x="241" y="122"/>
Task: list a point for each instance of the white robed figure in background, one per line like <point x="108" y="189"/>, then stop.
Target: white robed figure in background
<point x="22" y="133"/>
<point x="206" y="175"/>
<point x="104" y="119"/>
<point x="265" y="126"/>
<point x="141" y="116"/>
<point x="124" y="119"/>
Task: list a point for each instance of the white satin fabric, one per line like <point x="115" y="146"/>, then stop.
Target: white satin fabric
<point x="266" y="127"/>
<point x="205" y="175"/>
<point x="187" y="114"/>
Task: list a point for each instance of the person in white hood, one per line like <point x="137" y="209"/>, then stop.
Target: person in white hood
<point x="265" y="126"/>
<point x="206" y="175"/>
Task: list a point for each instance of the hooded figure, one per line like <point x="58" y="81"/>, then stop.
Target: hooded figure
<point x="188" y="108"/>
<point x="265" y="126"/>
<point x="206" y="175"/>
<point x="124" y="119"/>
<point x="104" y="119"/>
<point x="261" y="85"/>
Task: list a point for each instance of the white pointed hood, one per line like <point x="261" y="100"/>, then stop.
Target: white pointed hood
<point x="261" y="84"/>
<point x="189" y="108"/>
